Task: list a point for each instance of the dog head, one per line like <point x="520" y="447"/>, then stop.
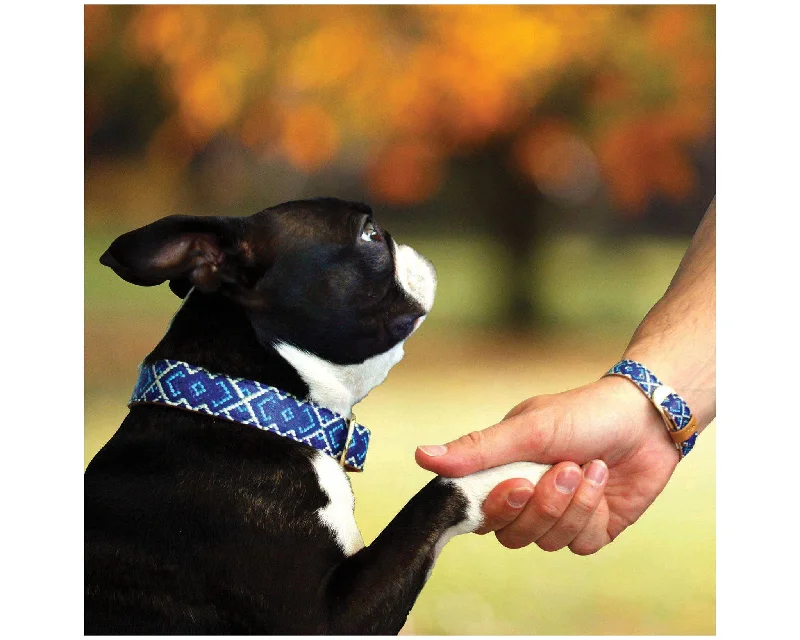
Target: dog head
<point x="320" y="277"/>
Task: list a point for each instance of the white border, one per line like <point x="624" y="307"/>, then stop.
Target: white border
<point x="43" y="347"/>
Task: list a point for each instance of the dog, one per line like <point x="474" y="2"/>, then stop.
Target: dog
<point x="198" y="523"/>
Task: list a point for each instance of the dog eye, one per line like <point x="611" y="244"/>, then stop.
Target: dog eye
<point x="370" y="233"/>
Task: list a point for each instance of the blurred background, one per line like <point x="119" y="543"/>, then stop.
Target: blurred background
<point x="552" y="162"/>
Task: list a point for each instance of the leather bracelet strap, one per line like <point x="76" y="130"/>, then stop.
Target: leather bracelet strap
<point x="681" y="424"/>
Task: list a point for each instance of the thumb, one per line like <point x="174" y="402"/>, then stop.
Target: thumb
<point x="515" y="439"/>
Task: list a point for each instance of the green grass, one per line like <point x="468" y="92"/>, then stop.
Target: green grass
<point x="106" y="294"/>
<point x="603" y="281"/>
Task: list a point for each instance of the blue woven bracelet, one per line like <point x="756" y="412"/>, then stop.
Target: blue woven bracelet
<point x="681" y="424"/>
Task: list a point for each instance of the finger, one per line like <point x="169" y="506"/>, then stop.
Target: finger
<point x="551" y="498"/>
<point x="594" y="535"/>
<point x="525" y="437"/>
<point x="504" y="503"/>
<point x="583" y="504"/>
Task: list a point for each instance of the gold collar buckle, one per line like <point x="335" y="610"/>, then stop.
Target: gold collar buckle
<point x="351" y="423"/>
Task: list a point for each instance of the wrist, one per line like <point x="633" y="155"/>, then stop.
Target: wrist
<point x="691" y="376"/>
<point x="640" y="423"/>
<point x="679" y="421"/>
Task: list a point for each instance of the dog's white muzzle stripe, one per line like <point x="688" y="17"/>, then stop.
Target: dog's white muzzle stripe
<point x="415" y="275"/>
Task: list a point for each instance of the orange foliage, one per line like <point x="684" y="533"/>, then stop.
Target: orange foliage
<point x="260" y="130"/>
<point x="209" y="96"/>
<point x="173" y="34"/>
<point x="309" y="137"/>
<point x="648" y="158"/>
<point x="670" y="27"/>
<point x="558" y="161"/>
<point x="96" y="28"/>
<point x="405" y="172"/>
<point x="422" y="82"/>
<point x="171" y="143"/>
<point x="332" y="54"/>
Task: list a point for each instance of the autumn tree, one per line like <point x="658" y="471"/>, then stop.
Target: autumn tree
<point x="530" y="103"/>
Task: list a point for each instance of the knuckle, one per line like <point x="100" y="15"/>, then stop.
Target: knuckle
<point x="549" y="545"/>
<point x="581" y="548"/>
<point x="473" y="439"/>
<point x="522" y="407"/>
<point x="549" y="511"/>
<point x="541" y="430"/>
<point x="582" y="505"/>
<point x="511" y="541"/>
<point x="569" y="530"/>
<point x="564" y="426"/>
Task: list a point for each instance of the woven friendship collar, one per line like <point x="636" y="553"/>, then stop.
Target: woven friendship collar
<point x="680" y="423"/>
<point x="178" y="384"/>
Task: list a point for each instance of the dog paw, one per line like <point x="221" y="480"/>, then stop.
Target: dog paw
<point x="477" y="486"/>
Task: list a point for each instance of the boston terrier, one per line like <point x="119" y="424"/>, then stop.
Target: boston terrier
<point x="222" y="504"/>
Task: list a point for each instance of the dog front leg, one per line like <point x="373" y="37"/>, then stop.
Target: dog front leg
<point x="372" y="591"/>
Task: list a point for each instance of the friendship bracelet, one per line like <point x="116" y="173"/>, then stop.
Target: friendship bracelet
<point x="681" y="424"/>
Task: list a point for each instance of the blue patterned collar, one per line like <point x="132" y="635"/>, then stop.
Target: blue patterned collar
<point x="178" y="384"/>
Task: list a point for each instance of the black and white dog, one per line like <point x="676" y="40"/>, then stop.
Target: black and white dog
<point x="196" y="522"/>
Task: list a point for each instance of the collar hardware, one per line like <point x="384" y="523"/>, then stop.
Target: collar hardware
<point x="351" y="423"/>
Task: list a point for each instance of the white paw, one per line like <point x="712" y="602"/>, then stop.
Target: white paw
<point x="477" y="486"/>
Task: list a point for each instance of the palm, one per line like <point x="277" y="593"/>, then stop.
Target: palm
<point x="638" y="452"/>
<point x="611" y="420"/>
<point x="634" y="483"/>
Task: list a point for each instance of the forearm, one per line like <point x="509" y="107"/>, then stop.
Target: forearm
<point x="677" y="338"/>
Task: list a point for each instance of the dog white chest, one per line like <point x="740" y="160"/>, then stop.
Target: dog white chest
<point x="339" y="386"/>
<point x="338" y="515"/>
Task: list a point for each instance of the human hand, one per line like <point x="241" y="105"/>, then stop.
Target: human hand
<point x="607" y="426"/>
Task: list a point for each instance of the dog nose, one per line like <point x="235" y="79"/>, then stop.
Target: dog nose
<point x="404" y="325"/>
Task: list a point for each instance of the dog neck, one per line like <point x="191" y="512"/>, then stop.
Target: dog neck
<point x="340" y="386"/>
<point x="212" y="332"/>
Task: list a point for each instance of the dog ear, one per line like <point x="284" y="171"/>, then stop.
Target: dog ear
<point x="189" y="251"/>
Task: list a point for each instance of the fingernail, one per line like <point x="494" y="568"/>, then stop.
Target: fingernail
<point x="568" y="480"/>
<point x="433" y="450"/>
<point x="596" y="472"/>
<point x="519" y="497"/>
